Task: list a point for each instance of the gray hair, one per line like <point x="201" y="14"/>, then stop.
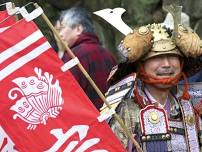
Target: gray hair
<point x="76" y="16"/>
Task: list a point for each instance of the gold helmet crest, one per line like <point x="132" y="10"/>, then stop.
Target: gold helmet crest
<point x="146" y="42"/>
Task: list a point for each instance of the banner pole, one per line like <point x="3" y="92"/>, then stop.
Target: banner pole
<point x="117" y="117"/>
<point x="16" y="16"/>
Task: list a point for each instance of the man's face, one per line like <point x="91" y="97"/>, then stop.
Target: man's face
<point x="68" y="34"/>
<point x="163" y="66"/>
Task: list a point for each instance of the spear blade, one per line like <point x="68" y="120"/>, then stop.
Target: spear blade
<point x="175" y="9"/>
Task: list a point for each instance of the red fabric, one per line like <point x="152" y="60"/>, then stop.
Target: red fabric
<point x="138" y="98"/>
<point x="96" y="60"/>
<point x="148" y="78"/>
<point x="42" y="108"/>
<point x="5" y="19"/>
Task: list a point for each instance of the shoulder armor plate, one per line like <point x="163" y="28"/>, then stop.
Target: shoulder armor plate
<point x="118" y="91"/>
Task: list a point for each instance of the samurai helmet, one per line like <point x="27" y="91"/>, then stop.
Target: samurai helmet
<point x="146" y="42"/>
<point x="152" y="40"/>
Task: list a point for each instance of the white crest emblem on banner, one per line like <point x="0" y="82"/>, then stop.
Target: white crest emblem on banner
<point x="41" y="99"/>
<point x="6" y="144"/>
<point x="63" y="136"/>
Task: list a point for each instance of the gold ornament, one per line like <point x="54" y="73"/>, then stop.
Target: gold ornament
<point x="190" y="120"/>
<point x="154" y="118"/>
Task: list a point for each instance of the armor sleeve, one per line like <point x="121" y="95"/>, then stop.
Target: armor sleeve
<point x="200" y="133"/>
<point x="115" y="126"/>
<point x="129" y="112"/>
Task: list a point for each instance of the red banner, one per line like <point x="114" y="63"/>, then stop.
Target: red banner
<point x="5" y="19"/>
<point x="41" y="107"/>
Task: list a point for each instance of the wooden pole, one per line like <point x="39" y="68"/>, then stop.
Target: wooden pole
<point x="16" y="16"/>
<point x="117" y="117"/>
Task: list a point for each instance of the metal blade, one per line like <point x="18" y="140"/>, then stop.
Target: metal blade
<point x="113" y="16"/>
<point x="173" y="7"/>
